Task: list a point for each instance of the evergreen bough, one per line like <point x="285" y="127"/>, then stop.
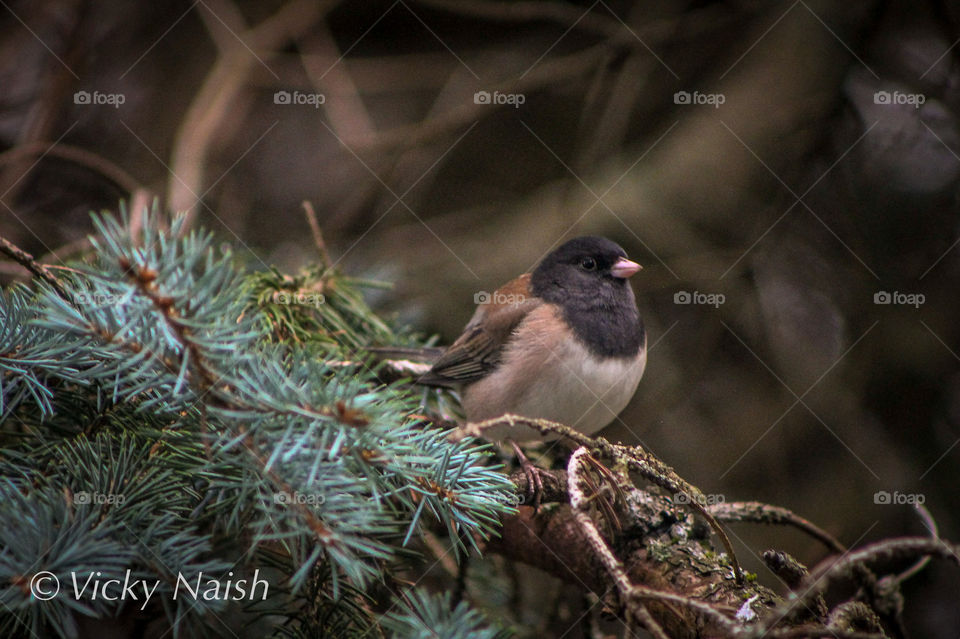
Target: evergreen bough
<point x="166" y="412"/>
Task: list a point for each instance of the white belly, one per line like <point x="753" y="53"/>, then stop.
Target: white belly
<point x="568" y="385"/>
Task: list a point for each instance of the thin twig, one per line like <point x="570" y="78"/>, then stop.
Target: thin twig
<point x="26" y="260"/>
<point x="821" y="578"/>
<point x="554" y="71"/>
<point x="931" y="525"/>
<point x="81" y="157"/>
<point x="139" y="203"/>
<point x="221" y="89"/>
<point x="786" y="567"/>
<point x="547" y="73"/>
<point x="317" y="234"/>
<point x="56" y="82"/>
<point x="346" y="113"/>
<point x="758" y="512"/>
<point x="634" y="607"/>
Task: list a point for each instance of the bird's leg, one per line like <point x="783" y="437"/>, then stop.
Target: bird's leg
<point x="534" y="481"/>
<point x="602" y="494"/>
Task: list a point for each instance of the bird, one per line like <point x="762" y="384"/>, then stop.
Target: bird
<point x="564" y="342"/>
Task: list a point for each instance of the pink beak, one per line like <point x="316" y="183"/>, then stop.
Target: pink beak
<point x="624" y="268"/>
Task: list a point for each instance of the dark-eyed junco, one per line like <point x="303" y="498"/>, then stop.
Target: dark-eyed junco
<point x="563" y="343"/>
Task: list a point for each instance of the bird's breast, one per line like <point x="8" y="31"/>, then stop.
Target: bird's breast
<point x="550" y="374"/>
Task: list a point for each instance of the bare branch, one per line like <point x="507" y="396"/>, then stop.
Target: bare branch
<point x="26" y="260"/>
<point x="760" y="513"/>
<point x="317" y="234"/>
<point x="635" y="457"/>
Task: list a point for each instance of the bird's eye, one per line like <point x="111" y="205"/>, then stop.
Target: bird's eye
<point x="588" y="264"/>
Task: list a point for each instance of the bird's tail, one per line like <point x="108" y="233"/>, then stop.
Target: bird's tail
<point x="396" y="362"/>
<point x="423" y="355"/>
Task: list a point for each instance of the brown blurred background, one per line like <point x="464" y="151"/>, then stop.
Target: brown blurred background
<point x="784" y="166"/>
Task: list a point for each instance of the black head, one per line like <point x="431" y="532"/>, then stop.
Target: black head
<point x="583" y="267"/>
<point x="587" y="278"/>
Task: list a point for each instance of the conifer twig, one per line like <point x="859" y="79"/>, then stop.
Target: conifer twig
<point x="317" y="234"/>
<point x="26" y="260"/>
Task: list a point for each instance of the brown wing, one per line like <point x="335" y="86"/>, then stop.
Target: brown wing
<point x="478" y="349"/>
